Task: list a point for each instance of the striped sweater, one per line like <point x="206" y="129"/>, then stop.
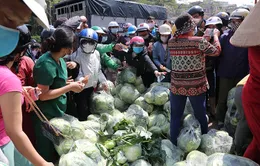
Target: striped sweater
<point x="188" y="77"/>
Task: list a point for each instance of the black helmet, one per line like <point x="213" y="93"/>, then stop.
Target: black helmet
<point x="25" y="36"/>
<point x="45" y="34"/>
<point x="196" y="9"/>
<point x="224" y="17"/>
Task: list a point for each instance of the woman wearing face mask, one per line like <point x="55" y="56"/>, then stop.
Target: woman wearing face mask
<point x="161" y="54"/>
<point x="50" y="75"/>
<point x="138" y="58"/>
<point x="90" y="66"/>
<point x="144" y="32"/>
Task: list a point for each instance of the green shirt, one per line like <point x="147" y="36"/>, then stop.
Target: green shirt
<point x="49" y="73"/>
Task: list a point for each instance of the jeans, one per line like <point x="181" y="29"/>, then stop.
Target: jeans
<point x="178" y="103"/>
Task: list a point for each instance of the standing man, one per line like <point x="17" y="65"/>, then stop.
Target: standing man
<point x="233" y="63"/>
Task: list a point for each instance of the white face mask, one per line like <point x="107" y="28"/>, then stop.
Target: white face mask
<point x="151" y="25"/>
<point x="164" y="39"/>
<point x="88" y="48"/>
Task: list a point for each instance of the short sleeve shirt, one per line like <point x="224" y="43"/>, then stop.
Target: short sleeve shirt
<point x="9" y="82"/>
<point x="50" y="73"/>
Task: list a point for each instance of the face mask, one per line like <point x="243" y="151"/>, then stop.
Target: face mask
<point x="34" y="52"/>
<point x="234" y="26"/>
<point x="164" y="39"/>
<point x="114" y="30"/>
<point x="8" y="40"/>
<point x="88" y="48"/>
<point x="104" y="39"/>
<point x="151" y="25"/>
<point x="138" y="50"/>
<point x="126" y="34"/>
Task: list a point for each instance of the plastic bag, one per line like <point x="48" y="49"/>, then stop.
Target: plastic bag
<point x="216" y="142"/>
<point x="189" y="139"/>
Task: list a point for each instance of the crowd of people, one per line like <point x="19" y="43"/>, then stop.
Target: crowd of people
<point x="203" y="59"/>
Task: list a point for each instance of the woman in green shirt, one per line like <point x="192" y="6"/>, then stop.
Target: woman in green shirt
<point x="50" y="74"/>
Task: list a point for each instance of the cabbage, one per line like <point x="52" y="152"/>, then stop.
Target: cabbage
<point x="173" y="153"/>
<point x="138" y="81"/>
<point x="89" y="149"/>
<point x="62" y="125"/>
<point x="140" y="162"/>
<point x="196" y="158"/>
<point x="142" y="103"/>
<point x="64" y="146"/>
<point x="216" y="142"/>
<point x="157" y="95"/>
<point x="229" y="160"/>
<point x="181" y="163"/>
<point x="110" y="85"/>
<point x="137" y="115"/>
<point x="117" y="89"/>
<point x="91" y="125"/>
<point x="129" y="75"/>
<point x="94" y="117"/>
<point x="163" y="84"/>
<point x="232" y="116"/>
<point x="120" y="157"/>
<point x="141" y="88"/>
<point x="76" y="159"/>
<point x="191" y="121"/>
<point x="128" y="93"/>
<point x="77" y="130"/>
<point x="111" y="121"/>
<point x="91" y="136"/>
<point x="189" y="139"/>
<point x="102" y="103"/>
<point x="158" y="124"/>
<point x="132" y="153"/>
<point x="119" y="104"/>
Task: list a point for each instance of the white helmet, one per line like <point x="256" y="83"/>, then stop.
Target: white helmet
<point x="213" y="21"/>
<point x="143" y="27"/>
<point x="165" y="29"/>
<point x="38" y="8"/>
<point x="113" y="24"/>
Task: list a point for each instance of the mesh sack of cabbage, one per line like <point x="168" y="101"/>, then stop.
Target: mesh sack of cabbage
<point x="216" y="142"/>
<point x="128" y="75"/>
<point x="232" y="116"/>
<point x="102" y="103"/>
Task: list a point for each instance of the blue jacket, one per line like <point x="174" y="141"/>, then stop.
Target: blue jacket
<point x="233" y="61"/>
<point x="159" y="54"/>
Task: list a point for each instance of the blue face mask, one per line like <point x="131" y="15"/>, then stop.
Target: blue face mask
<point x="137" y="50"/>
<point x="8" y="40"/>
<point x="104" y="39"/>
<point x="114" y="30"/>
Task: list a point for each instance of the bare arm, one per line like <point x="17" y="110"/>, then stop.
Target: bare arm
<point x="12" y="115"/>
<point x="49" y="94"/>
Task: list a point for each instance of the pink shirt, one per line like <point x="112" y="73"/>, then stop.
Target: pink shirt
<point x="9" y="82"/>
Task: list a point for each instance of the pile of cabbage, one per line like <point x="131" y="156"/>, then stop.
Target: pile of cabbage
<point x="130" y="126"/>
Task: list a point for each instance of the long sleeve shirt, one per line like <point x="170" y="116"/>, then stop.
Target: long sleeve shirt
<point x="188" y="77"/>
<point x="89" y="65"/>
<point x="161" y="56"/>
<point x="233" y="61"/>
